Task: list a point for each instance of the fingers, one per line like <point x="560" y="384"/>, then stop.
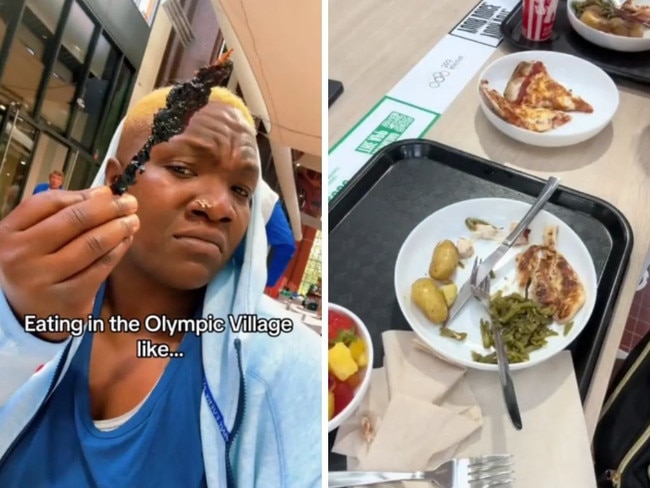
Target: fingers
<point x="43" y="205"/>
<point x="97" y="272"/>
<point x="98" y="245"/>
<point x="58" y="230"/>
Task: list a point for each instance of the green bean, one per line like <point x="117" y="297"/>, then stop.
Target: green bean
<point x="524" y="326"/>
<point x="452" y="334"/>
<point x="486" y="334"/>
<point x="567" y="328"/>
<point x="471" y="223"/>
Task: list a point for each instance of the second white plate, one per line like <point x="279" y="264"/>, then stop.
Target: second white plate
<point x="584" y="79"/>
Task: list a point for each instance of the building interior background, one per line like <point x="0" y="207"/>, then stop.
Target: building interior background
<point x="69" y="70"/>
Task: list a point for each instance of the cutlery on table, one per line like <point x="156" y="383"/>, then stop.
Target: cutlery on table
<point x="491" y="261"/>
<point x="481" y="292"/>
<point x="493" y="471"/>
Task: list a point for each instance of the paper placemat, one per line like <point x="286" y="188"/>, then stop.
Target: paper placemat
<point x="416" y="102"/>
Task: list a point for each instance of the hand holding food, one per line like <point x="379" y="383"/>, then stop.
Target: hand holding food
<point x="57" y="247"/>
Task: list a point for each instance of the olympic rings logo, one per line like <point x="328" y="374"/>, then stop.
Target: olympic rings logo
<point x="438" y="78"/>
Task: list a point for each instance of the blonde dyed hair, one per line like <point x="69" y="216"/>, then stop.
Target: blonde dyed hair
<point x="140" y="117"/>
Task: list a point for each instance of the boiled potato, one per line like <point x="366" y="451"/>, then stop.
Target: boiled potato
<point x="618" y="27"/>
<point x="428" y="298"/>
<point x="594" y="20"/>
<point x="450" y="292"/>
<point x="637" y="30"/>
<point x="444" y="260"/>
<point x="597" y="10"/>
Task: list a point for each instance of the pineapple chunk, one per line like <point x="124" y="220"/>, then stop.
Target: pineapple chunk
<point x="450" y="292"/>
<point x="358" y="351"/>
<point x="341" y="362"/>
<point x="330" y="406"/>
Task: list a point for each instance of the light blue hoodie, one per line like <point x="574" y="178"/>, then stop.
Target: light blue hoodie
<point x="273" y="408"/>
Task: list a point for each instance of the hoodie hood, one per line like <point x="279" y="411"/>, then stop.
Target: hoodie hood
<point x="268" y="198"/>
<point x="237" y="288"/>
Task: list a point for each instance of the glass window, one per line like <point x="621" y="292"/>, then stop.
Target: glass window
<point x="68" y="68"/>
<point x="50" y="154"/>
<point x="24" y="69"/>
<point x="313" y="269"/>
<point x="82" y="171"/>
<point x="115" y="112"/>
<point x="147" y="8"/>
<point x="95" y="93"/>
<point x="16" y="146"/>
<point x="5" y="11"/>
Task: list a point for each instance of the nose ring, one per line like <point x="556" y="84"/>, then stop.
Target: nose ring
<point x="203" y="203"/>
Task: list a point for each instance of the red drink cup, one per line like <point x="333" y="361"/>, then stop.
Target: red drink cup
<point x="538" y="19"/>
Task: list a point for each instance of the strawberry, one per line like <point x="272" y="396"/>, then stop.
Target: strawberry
<point x="341" y="328"/>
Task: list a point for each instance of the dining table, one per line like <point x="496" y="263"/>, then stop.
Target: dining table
<point x="373" y="44"/>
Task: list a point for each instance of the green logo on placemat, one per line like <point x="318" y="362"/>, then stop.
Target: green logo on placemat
<point x="391" y="128"/>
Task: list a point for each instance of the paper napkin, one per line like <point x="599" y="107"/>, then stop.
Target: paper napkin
<point x="416" y="413"/>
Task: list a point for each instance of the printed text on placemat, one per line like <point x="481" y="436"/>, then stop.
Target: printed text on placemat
<point x="483" y="24"/>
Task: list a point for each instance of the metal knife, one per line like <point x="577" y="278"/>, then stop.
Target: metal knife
<point x="507" y="385"/>
<point x="491" y="261"/>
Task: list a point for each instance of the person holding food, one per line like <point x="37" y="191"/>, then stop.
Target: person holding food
<point x="156" y="404"/>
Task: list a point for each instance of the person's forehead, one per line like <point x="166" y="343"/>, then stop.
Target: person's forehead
<point x="227" y="113"/>
<point x="220" y="119"/>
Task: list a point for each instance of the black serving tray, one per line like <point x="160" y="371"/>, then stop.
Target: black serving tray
<point x="409" y="180"/>
<point x="630" y="66"/>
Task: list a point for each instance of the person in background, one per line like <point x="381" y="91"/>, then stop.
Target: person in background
<point x="314" y="295"/>
<point x="56" y="182"/>
<point x="278" y="234"/>
<point x="315" y="291"/>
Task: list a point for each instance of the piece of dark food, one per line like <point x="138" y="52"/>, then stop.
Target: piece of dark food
<point x="183" y="101"/>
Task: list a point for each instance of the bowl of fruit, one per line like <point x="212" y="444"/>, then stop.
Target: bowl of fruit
<point x="349" y="358"/>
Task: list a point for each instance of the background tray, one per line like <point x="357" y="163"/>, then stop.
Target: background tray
<point x="630" y="66"/>
<point x="409" y="180"/>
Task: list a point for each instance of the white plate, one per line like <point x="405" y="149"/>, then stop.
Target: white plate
<point x="608" y="41"/>
<point x="585" y="79"/>
<point x="449" y="223"/>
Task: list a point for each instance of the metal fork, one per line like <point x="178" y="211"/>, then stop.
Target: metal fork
<point x="481" y="292"/>
<point x="476" y="472"/>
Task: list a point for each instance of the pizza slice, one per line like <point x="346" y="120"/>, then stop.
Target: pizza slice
<point x="529" y="118"/>
<point x="531" y="84"/>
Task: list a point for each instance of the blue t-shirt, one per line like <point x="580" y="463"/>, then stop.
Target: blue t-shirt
<point x="41" y="187"/>
<point x="159" y="446"/>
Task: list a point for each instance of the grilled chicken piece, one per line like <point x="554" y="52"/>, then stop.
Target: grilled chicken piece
<point x="465" y="248"/>
<point x="489" y="232"/>
<point x="553" y="282"/>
